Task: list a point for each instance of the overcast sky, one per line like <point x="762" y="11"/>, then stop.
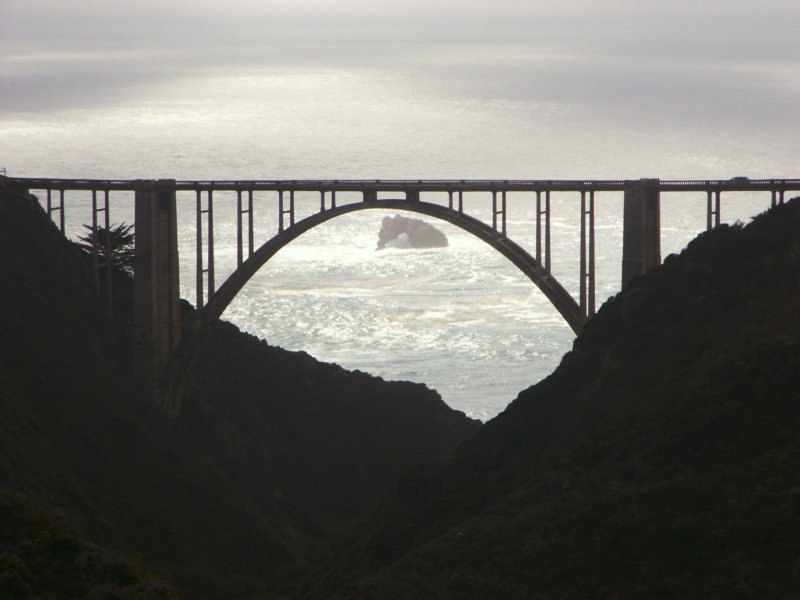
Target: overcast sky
<point x="739" y="58"/>
<point x="639" y="29"/>
<point x="32" y="24"/>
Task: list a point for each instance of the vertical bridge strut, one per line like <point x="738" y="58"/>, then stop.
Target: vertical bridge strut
<point x="51" y="208"/>
<point x="240" y="212"/>
<point x="712" y="209"/>
<point x="205" y="274"/>
<point x="587" y="279"/>
<point x="546" y="213"/>
<point x="777" y="195"/>
<point x="322" y="205"/>
<point x="498" y="212"/>
<point x="460" y="201"/>
<point x="285" y="211"/>
<point x="106" y="242"/>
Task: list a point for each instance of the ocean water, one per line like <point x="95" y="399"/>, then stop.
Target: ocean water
<point x="460" y="319"/>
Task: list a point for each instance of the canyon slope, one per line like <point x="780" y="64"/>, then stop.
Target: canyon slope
<point x="272" y="460"/>
<point x="660" y="460"/>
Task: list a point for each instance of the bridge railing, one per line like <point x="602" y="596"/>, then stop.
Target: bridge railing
<point x="421" y="185"/>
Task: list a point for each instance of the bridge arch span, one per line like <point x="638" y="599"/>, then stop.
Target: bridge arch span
<point x="184" y="354"/>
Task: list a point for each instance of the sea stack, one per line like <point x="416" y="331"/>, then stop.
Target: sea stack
<point x="405" y="232"/>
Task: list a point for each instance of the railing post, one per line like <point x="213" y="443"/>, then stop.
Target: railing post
<point x="641" y="229"/>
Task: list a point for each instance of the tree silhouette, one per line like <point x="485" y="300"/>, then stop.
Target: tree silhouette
<point x="120" y="240"/>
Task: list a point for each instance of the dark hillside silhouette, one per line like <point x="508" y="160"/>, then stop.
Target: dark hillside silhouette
<point x="660" y="460"/>
<point x="274" y="457"/>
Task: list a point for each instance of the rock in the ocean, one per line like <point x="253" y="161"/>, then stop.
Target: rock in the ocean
<point x="404" y="232"/>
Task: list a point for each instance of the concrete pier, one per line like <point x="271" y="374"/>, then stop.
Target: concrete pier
<point x="641" y="237"/>
<point x="157" y="323"/>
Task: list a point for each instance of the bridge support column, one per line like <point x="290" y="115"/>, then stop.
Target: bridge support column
<point x="157" y="324"/>
<point x="641" y="230"/>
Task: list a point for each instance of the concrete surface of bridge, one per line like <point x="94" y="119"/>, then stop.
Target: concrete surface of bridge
<point x="163" y="356"/>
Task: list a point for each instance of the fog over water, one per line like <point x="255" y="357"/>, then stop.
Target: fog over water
<point x="355" y="89"/>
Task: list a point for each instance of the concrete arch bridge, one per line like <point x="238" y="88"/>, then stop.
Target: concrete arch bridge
<point x="163" y="357"/>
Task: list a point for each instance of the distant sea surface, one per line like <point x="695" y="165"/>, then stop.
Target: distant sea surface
<point x="460" y="319"/>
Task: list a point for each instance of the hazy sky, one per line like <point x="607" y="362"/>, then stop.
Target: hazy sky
<point x="714" y="84"/>
<point x="58" y="45"/>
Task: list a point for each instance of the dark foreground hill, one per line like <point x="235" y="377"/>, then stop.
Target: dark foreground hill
<point x="273" y="457"/>
<point x="660" y="460"/>
<point x="41" y="556"/>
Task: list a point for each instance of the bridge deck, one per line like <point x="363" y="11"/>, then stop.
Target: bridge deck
<point x="739" y="184"/>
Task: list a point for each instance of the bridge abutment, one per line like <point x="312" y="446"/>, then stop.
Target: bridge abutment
<point x="157" y="324"/>
<point x="641" y="235"/>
